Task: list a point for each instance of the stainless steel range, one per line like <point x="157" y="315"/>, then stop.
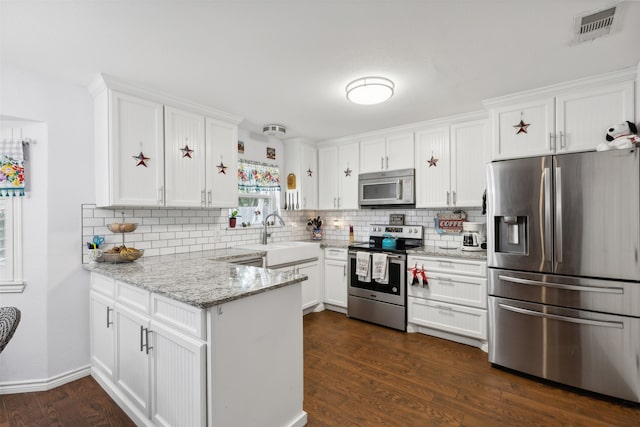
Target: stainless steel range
<point x="382" y="300"/>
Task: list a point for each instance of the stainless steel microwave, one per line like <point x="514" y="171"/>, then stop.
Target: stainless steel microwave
<point x="387" y="189"/>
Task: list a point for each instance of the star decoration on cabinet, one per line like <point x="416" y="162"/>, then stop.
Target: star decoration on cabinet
<point x="309" y="172"/>
<point x="522" y="127"/>
<point x="142" y="160"/>
<point x="222" y="168"/>
<point x="433" y="161"/>
<point x="347" y="171"/>
<point x="186" y="152"/>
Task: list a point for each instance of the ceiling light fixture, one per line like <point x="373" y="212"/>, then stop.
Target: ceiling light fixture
<point x="370" y="90"/>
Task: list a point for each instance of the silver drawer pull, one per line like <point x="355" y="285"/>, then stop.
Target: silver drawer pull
<point x="443" y="307"/>
<point x="618" y="325"/>
<point x="561" y="285"/>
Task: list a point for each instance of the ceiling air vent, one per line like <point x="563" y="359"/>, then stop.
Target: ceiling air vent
<point x="274" y="130"/>
<point x="594" y="24"/>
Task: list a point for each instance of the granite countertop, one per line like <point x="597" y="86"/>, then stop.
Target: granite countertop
<point x="202" y="279"/>
<point x="449" y="253"/>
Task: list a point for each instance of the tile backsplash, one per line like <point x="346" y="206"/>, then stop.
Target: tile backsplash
<point x="164" y="231"/>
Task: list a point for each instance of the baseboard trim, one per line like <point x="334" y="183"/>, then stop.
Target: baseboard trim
<point x="44" y="384"/>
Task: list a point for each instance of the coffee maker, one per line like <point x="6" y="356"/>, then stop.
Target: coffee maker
<point x="474" y="236"/>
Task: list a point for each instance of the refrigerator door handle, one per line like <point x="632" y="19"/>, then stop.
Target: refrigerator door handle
<point x="547" y="214"/>
<point x="618" y="325"/>
<point x="561" y="285"/>
<point x="558" y="222"/>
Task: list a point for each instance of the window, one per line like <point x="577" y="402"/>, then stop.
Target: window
<point x="11" y="244"/>
<point x="254" y="208"/>
<point x="259" y="192"/>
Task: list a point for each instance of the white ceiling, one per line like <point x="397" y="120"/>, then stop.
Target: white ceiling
<point x="288" y="61"/>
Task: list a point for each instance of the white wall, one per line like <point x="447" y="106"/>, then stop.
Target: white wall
<point x="255" y="147"/>
<point x="52" y="338"/>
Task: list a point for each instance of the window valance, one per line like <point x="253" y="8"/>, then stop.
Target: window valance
<point x="257" y="177"/>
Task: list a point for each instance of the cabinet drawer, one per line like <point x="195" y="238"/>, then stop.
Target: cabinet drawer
<point x="103" y="284"/>
<point x="335" y="253"/>
<point x="465" y="290"/>
<point x="449" y="265"/>
<point x="466" y="321"/>
<point x="178" y="315"/>
<point x="132" y="296"/>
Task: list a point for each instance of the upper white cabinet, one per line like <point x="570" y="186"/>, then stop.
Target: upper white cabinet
<point x="450" y="165"/>
<point x="155" y="150"/>
<point x="129" y="158"/>
<point x="339" y="169"/>
<point x="386" y="152"/>
<point x="301" y="159"/>
<point x="560" y="119"/>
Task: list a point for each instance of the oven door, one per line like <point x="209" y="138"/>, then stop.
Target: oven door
<point x="393" y="291"/>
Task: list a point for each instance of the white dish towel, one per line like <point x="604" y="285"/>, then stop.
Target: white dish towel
<point x="363" y="266"/>
<point x="380" y="271"/>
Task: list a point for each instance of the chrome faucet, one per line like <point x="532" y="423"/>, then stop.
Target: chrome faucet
<point x="264" y="236"/>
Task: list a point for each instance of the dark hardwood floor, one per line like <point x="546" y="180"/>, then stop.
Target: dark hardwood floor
<point x="358" y="374"/>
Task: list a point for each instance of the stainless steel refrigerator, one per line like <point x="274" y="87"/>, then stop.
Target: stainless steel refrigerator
<point x="564" y="279"/>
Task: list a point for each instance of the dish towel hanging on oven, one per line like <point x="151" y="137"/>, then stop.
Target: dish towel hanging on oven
<point x="380" y="271"/>
<point x="11" y="168"/>
<point x="363" y="266"/>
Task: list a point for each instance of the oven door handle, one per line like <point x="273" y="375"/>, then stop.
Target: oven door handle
<point x="352" y="254"/>
<point x="618" y="325"/>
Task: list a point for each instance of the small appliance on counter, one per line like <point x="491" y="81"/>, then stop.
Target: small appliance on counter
<point x="474" y="236"/>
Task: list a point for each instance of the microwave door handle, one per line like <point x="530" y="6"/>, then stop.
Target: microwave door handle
<point x="399" y="189"/>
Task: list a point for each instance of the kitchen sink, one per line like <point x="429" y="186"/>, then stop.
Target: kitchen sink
<point x="285" y="252"/>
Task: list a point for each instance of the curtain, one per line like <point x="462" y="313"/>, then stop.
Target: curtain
<point x="12" y="181"/>
<point x="254" y="177"/>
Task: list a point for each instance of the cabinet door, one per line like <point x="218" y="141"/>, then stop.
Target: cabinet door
<point x="328" y="176"/>
<point x="184" y="158"/>
<point x="511" y="141"/>
<point x="132" y="360"/>
<point x="309" y="178"/>
<point x="468" y="181"/>
<point x="335" y="282"/>
<point x="179" y="378"/>
<point x="583" y="117"/>
<point x="222" y="150"/>
<point x="373" y="155"/>
<point x="400" y="151"/>
<point x="102" y="333"/>
<point x="432" y="168"/>
<point x="348" y="170"/>
<point x="465" y="321"/>
<point x="136" y="151"/>
<point x="311" y="286"/>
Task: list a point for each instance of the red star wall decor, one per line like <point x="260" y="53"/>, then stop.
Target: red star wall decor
<point x="433" y="161"/>
<point x="309" y="172"/>
<point x="141" y="159"/>
<point x="522" y="127"/>
<point x="222" y="168"/>
<point x="186" y="152"/>
<point x="347" y="171"/>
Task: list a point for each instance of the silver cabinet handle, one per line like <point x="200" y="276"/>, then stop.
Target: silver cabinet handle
<point x="618" y="325"/>
<point x="443" y="307"/>
<point x="161" y="195"/>
<point x="210" y="197"/>
<point x="562" y="286"/>
<point x="202" y="201"/>
<point x="141" y="338"/>
<point x="381" y="162"/>
<point x="335" y="202"/>
<point x="109" y="321"/>
<point x="387" y="159"/>
<point x="558" y="224"/>
<point x="448" y="198"/>
<point x="146" y="333"/>
<point x="339" y="202"/>
<point x="561" y="139"/>
<point x="552" y="141"/>
<point x="344" y="270"/>
<point x="547" y="214"/>
<point x="454" y="198"/>
<point x="144" y="339"/>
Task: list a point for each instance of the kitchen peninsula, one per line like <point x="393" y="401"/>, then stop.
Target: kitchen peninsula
<point x="195" y="340"/>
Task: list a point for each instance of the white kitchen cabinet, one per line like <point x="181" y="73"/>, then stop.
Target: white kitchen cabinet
<point x="450" y="165"/>
<point x="561" y="119"/>
<point x="311" y="288"/>
<point x="386" y="152"/>
<point x="184" y="154"/>
<point x="335" y="279"/>
<point x="453" y="304"/>
<point x="222" y="163"/>
<point x="129" y="158"/>
<point x="102" y="332"/>
<point x="301" y="159"/>
<point x="339" y="170"/>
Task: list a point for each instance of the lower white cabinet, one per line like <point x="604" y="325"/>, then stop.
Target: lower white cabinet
<point x="453" y="302"/>
<point x="335" y="279"/>
<point x="311" y="289"/>
<point x="148" y="353"/>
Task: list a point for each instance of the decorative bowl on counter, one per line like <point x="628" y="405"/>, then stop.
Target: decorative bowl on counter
<point x="122" y="227"/>
<point x="123" y="255"/>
